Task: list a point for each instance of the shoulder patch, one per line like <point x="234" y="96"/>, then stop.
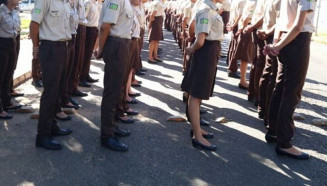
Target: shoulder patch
<point x="37" y="11"/>
<point x="113" y="6"/>
<point x="204" y="21"/>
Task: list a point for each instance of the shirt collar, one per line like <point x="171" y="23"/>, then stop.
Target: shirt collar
<point x="211" y="4"/>
<point x="5" y="8"/>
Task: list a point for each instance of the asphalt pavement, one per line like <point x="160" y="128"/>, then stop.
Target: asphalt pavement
<point x="161" y="152"/>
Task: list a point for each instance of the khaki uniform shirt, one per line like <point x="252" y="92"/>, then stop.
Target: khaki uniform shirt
<point x="158" y="6"/>
<point x="120" y="14"/>
<point x="271" y="14"/>
<point x="259" y="11"/>
<point x="188" y="10"/>
<point x="236" y="10"/>
<point x="226" y="5"/>
<point x="73" y="18"/>
<point x="288" y="11"/>
<point x="81" y="11"/>
<point x="207" y="20"/>
<point x="140" y="14"/>
<point x="248" y="11"/>
<point x="9" y="22"/>
<point x="136" y="25"/>
<point x="91" y="13"/>
<point x="53" y="17"/>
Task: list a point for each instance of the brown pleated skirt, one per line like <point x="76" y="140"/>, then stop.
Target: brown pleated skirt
<point x="245" y="48"/>
<point x="199" y="80"/>
<point x="156" y="33"/>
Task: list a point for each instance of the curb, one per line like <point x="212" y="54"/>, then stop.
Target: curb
<point x="22" y="79"/>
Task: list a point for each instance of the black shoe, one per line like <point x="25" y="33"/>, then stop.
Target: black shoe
<point x="16" y="95"/>
<point x="303" y="156"/>
<point x="68" y="118"/>
<point x="261" y="114"/>
<point x="84" y="84"/>
<point x="152" y="62"/>
<point x="256" y="103"/>
<point x="270" y="138"/>
<point x="76" y="107"/>
<point x="242" y="87"/>
<point x="78" y="93"/>
<point x="74" y="102"/>
<point x="207" y="136"/>
<point x="125" y="121"/>
<point x="61" y="132"/>
<point x="7" y="116"/>
<point x="121" y="132"/>
<point x="143" y="70"/>
<point x="203" y="111"/>
<point x="132" y="113"/>
<point x="139" y="73"/>
<point x="133" y="101"/>
<point x="197" y="144"/>
<point x="234" y="75"/>
<point x="251" y="98"/>
<point x="158" y="60"/>
<point x="37" y="83"/>
<point x="12" y="108"/>
<point x="91" y="80"/>
<point x="114" y="144"/>
<point x="48" y="143"/>
<point x="135" y="95"/>
<point x="204" y="122"/>
<point x="136" y="85"/>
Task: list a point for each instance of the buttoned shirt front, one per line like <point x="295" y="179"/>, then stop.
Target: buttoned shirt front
<point x="236" y="10"/>
<point x="208" y="21"/>
<point x="53" y="17"/>
<point x="9" y="22"/>
<point x="136" y="25"/>
<point x="272" y="9"/>
<point x="159" y="7"/>
<point x="91" y="13"/>
<point x="259" y="11"/>
<point x="120" y="14"/>
<point x="81" y="11"/>
<point x="73" y="18"/>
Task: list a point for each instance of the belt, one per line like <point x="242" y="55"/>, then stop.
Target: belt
<point x="134" y="38"/>
<point x="115" y="38"/>
<point x="10" y="39"/>
<point x="55" y="43"/>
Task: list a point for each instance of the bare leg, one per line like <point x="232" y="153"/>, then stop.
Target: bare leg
<point x="128" y="86"/>
<point x="151" y="50"/>
<point x="243" y="69"/>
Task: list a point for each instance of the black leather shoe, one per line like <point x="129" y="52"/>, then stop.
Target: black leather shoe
<point x="242" y="87"/>
<point x="48" y="143"/>
<point x="302" y="156"/>
<point x="135" y="95"/>
<point x="133" y="101"/>
<point x="74" y="102"/>
<point x="78" y="93"/>
<point x="61" y="132"/>
<point x="91" y="80"/>
<point x="270" y="138"/>
<point x="132" y="113"/>
<point x="68" y="118"/>
<point x="197" y="144"/>
<point x="76" y="107"/>
<point x="7" y="116"/>
<point x="139" y="73"/>
<point x="234" y="75"/>
<point x="84" y="84"/>
<point x="251" y="98"/>
<point x="121" y="132"/>
<point x="136" y="85"/>
<point x="204" y="122"/>
<point x="261" y="114"/>
<point x="114" y="144"/>
<point x="207" y="136"/>
<point x="158" y="60"/>
<point x="12" y="108"/>
<point x="152" y="62"/>
<point x="125" y="121"/>
<point x="37" y="83"/>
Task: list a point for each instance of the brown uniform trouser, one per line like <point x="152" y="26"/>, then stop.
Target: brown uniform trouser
<point x="90" y="39"/>
<point x="257" y="66"/>
<point x="231" y="61"/>
<point x="116" y="55"/>
<point x="15" y="64"/>
<point x="225" y="16"/>
<point x="267" y="82"/>
<point x="8" y="57"/>
<point x="79" y="56"/>
<point x="53" y="58"/>
<point x="293" y="62"/>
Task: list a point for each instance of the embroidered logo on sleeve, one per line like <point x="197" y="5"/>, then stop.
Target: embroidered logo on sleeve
<point x="113" y="6"/>
<point x="204" y="21"/>
<point x="37" y="11"/>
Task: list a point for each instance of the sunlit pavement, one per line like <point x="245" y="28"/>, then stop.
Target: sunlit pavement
<point x="161" y="152"/>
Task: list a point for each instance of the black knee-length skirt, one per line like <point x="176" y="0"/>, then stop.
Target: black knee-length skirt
<point x="199" y="80"/>
<point x="156" y="33"/>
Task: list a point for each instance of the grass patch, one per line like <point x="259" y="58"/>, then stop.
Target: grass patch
<point x="25" y="23"/>
<point x="320" y="38"/>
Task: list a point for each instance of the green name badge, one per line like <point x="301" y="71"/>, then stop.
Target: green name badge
<point x="204" y="21"/>
<point x="37" y="11"/>
<point x="113" y="6"/>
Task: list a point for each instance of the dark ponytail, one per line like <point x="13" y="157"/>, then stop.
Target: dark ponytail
<point x="3" y="2"/>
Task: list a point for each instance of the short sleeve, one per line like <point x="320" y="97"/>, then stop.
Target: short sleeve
<point x="305" y="5"/>
<point x="203" y="22"/>
<point x="111" y="11"/>
<point x="39" y="10"/>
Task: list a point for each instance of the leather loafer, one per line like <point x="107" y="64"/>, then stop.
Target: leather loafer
<point x="302" y="156"/>
<point x="114" y="144"/>
<point x="37" y="83"/>
<point x="133" y="101"/>
<point x="197" y="144"/>
<point x="152" y="62"/>
<point x="129" y="121"/>
<point x="74" y="102"/>
<point x="61" y="132"/>
<point x="48" y="143"/>
<point x="242" y="87"/>
<point x="204" y="122"/>
<point x="84" y="84"/>
<point x="139" y="73"/>
<point x="76" y="107"/>
<point x="158" y="60"/>
<point x="261" y="114"/>
<point x="135" y="95"/>
<point x="207" y="136"/>
<point x="121" y="132"/>
<point x="132" y="113"/>
<point x="6" y="117"/>
<point x="91" y="80"/>
<point x="270" y="138"/>
<point x="78" y="93"/>
<point x="68" y="118"/>
<point x="136" y="85"/>
<point x="234" y="75"/>
<point x="12" y="108"/>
